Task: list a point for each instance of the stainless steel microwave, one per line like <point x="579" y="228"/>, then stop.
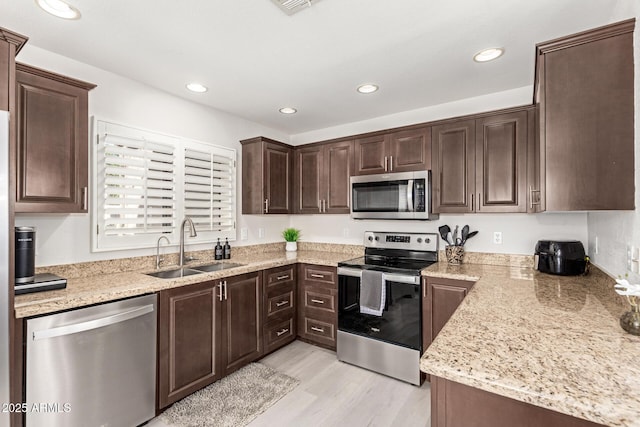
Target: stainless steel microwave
<point x="404" y="195"/>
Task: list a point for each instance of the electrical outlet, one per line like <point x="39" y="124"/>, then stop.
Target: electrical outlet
<point x="244" y="233"/>
<point x="497" y="237"/>
<point x="260" y="233"/>
<point x="628" y="257"/>
<point x="345" y="232"/>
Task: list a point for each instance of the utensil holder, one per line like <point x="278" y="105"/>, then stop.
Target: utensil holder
<point x="455" y="254"/>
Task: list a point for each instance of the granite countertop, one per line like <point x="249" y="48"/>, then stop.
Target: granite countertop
<point x="551" y="341"/>
<point x="103" y="287"/>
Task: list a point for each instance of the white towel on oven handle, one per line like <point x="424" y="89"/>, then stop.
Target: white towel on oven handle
<point x="372" y="292"/>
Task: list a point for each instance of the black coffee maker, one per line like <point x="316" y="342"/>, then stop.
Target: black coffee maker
<point x="25" y="254"/>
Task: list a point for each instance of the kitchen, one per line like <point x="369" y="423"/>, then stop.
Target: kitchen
<point x="148" y="108"/>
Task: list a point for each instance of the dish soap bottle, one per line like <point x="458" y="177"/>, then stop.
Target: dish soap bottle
<point x="227" y="249"/>
<point x="217" y="251"/>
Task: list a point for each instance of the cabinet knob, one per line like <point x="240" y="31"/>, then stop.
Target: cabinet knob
<point x="266" y="205"/>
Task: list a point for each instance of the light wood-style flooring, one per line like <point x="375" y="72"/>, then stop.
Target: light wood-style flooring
<point x="333" y="393"/>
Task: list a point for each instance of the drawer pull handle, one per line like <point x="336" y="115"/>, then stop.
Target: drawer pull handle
<point x="317" y="301"/>
<point x="313" y="328"/>
<point x="286" y="276"/>
<point x="317" y="276"/>
<point x="282" y="332"/>
<point x="281" y="303"/>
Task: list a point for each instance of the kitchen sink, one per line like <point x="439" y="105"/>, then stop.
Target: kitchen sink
<point x="217" y="266"/>
<point x="174" y="274"/>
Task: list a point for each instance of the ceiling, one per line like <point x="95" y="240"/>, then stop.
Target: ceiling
<point x="255" y="59"/>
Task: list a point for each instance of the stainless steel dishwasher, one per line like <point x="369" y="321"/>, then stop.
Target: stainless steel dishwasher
<point x="94" y="366"/>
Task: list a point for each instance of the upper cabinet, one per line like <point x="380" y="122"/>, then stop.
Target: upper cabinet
<point x="403" y="151"/>
<point x="322" y="178"/>
<point x="585" y="93"/>
<point x="266" y="176"/>
<point x="480" y="165"/>
<point x="52" y="142"/>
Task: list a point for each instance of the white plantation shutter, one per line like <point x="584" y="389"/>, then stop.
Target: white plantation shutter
<point x="146" y="183"/>
<point x="209" y="187"/>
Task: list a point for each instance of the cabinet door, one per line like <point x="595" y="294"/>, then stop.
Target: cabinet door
<point x="188" y="341"/>
<point x="277" y="180"/>
<point x="338" y="168"/>
<point x="440" y="299"/>
<point x="309" y="167"/>
<point x="453" y="163"/>
<point x="371" y="155"/>
<point x="52" y="143"/>
<point x="586" y="120"/>
<point x="501" y="163"/>
<point x="410" y="150"/>
<point x="242" y="320"/>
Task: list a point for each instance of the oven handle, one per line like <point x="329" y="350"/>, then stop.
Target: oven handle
<point x="389" y="277"/>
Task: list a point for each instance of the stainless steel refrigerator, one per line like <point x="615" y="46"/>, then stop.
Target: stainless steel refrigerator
<point x="5" y="282"/>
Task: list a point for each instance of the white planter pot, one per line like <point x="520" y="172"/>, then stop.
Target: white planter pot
<point x="291" y="246"/>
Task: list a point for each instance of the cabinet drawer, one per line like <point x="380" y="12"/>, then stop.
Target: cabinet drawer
<point x="279" y="302"/>
<point x="317" y="329"/>
<point x="319" y="275"/>
<point x="279" y="334"/>
<point x="276" y="276"/>
<point x="315" y="299"/>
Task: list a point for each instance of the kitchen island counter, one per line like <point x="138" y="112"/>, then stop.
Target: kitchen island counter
<point x="100" y="286"/>
<point x="551" y="341"/>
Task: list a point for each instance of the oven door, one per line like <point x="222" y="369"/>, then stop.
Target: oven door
<point x="390" y="196"/>
<point x="401" y="320"/>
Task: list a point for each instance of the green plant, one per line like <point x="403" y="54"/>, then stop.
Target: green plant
<point x="291" y="234"/>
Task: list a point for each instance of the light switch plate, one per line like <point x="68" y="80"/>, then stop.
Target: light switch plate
<point x="260" y="233"/>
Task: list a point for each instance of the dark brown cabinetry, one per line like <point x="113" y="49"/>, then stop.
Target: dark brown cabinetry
<point x="317" y="301"/>
<point x="266" y="176"/>
<point x="585" y="92"/>
<point x="279" y="307"/>
<point x="188" y="340"/>
<point x="241" y="320"/>
<point x="322" y="178"/>
<point x="52" y="142"/>
<point x="440" y="298"/>
<point x="403" y="151"/>
<point x="480" y="165"/>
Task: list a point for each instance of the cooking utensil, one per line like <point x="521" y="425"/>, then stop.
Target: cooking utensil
<point x="455" y="236"/>
<point x="464" y="234"/>
<point x="449" y="238"/>
<point x="444" y="229"/>
<point x="470" y="235"/>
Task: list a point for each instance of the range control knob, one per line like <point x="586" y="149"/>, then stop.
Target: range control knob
<point x="419" y="240"/>
<point x="377" y="238"/>
<point x="370" y="238"/>
<point x="427" y="240"/>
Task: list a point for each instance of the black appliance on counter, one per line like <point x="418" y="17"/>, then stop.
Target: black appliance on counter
<point x="565" y="258"/>
<point x="389" y="343"/>
<point x="26" y="279"/>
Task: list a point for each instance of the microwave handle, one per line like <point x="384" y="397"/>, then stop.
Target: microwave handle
<point x="410" y="195"/>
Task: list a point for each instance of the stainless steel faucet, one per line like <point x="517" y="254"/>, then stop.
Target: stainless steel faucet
<point x="192" y="233"/>
<point x="158" y="258"/>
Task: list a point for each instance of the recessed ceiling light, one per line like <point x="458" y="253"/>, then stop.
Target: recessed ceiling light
<point x="59" y="8"/>
<point x="288" y="110"/>
<point x="367" y="88"/>
<point x="197" y="87"/>
<point x="488" y="54"/>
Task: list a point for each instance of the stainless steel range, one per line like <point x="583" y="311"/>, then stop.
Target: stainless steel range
<point x="380" y="303"/>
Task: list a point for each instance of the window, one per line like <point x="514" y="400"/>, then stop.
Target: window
<point x="146" y="183"/>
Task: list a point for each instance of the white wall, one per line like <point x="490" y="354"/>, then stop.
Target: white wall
<point x="615" y="231"/>
<point x="65" y="239"/>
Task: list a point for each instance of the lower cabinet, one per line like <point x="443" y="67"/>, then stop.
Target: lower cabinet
<point x="188" y="340"/>
<point x="317" y="301"/>
<point x="241" y="320"/>
<point x="440" y="298"/>
<point x="279" y="307"/>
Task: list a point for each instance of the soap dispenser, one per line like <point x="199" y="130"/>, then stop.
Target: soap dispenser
<point x="217" y="251"/>
<point x="227" y="249"/>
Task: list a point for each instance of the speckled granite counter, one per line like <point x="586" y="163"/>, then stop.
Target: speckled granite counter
<point x="85" y="289"/>
<point x="550" y="341"/>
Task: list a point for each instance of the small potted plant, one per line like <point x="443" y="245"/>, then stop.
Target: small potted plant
<point x="291" y="236"/>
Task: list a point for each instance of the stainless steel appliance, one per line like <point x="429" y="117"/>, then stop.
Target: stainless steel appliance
<point x="25" y="254"/>
<point x="391" y="343"/>
<point x="404" y="195"/>
<point x="6" y="281"/>
<point x="94" y="366"/>
<point x="566" y="258"/>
